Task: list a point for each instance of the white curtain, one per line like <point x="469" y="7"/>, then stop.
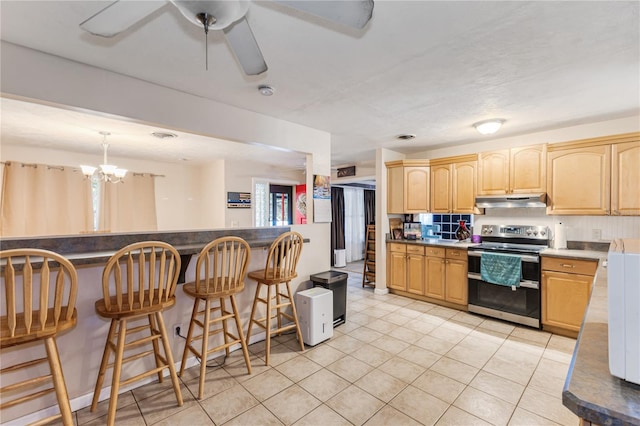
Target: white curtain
<point x="354" y="228"/>
<point x="38" y="199"/>
<point x="130" y="205"/>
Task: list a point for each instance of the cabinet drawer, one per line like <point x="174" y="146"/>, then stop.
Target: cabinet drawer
<point x="572" y="266"/>
<point x="435" y="251"/>
<point x="456" y="254"/>
<point x="415" y="249"/>
<point x="397" y="247"/>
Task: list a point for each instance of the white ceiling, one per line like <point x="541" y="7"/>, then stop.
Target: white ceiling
<point x="423" y="67"/>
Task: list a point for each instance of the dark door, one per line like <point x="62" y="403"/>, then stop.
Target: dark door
<point x="281" y="205"/>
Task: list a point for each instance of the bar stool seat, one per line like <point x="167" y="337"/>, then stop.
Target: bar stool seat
<point x="220" y="272"/>
<point x="280" y="269"/>
<point x="138" y="281"/>
<point x="49" y="284"/>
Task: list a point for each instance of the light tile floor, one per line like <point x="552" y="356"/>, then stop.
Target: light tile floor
<point x="395" y="361"/>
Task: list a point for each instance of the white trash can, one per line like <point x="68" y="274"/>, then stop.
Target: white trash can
<point x="339" y="258"/>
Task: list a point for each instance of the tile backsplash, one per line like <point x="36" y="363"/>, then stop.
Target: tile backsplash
<point x="579" y="228"/>
<point x="449" y="223"/>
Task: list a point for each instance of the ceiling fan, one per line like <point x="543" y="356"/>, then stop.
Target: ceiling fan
<point x="228" y="16"/>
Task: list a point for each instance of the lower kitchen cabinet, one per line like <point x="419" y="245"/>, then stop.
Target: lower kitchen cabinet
<point x="432" y="273"/>
<point x="566" y="288"/>
<point x="456" y="288"/>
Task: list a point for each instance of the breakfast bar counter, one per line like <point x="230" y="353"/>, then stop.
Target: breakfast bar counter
<point x="590" y="391"/>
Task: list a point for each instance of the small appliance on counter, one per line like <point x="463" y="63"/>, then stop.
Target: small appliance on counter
<point x="623" y="288"/>
<point x="431" y="232"/>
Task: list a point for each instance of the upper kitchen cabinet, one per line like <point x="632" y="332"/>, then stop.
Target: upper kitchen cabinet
<point x="407" y="186"/>
<point x="594" y="176"/>
<point x="453" y="185"/>
<point x="625" y="178"/>
<point x="512" y="171"/>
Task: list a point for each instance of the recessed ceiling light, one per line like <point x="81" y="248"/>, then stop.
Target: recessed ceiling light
<point x="406" y="137"/>
<point x="489" y="127"/>
<point x="266" y="90"/>
<point x="164" y="135"/>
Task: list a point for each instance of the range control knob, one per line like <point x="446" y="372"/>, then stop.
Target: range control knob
<point x="543" y="232"/>
<point x="528" y="231"/>
<point x="535" y="233"/>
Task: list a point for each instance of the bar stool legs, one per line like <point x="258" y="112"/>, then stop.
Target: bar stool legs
<point x="282" y="300"/>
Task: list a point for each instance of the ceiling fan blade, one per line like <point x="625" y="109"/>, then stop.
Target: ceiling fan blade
<point x="245" y="47"/>
<point x="119" y="16"/>
<point x="353" y="13"/>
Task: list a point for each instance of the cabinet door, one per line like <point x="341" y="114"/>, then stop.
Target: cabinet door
<point x="527" y="169"/>
<point x="435" y="277"/>
<point x="578" y="180"/>
<point x="416" y="189"/>
<point x="397" y="268"/>
<point x="441" y="189"/>
<point x="456" y="288"/>
<point x="564" y="299"/>
<point x="395" y="190"/>
<point x="493" y="172"/>
<point x="625" y="179"/>
<point x="415" y="273"/>
<point x="464" y="187"/>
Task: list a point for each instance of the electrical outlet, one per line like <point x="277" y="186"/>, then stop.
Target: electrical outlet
<point x="177" y="329"/>
<point x="596" y="234"/>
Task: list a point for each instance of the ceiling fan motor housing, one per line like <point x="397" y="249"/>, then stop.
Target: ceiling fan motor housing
<point x="224" y="12"/>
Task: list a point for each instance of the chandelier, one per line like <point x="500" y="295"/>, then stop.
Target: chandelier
<point x="107" y="172"/>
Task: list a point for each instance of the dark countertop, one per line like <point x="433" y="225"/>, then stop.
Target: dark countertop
<point x="90" y="249"/>
<point x="590" y="391"/>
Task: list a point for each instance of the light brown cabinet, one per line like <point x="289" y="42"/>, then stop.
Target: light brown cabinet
<point x="579" y="180"/>
<point x="512" y="171"/>
<point x="566" y="288"/>
<point x="405" y="269"/>
<point x="397" y="266"/>
<point x="456" y="287"/>
<point x="446" y="275"/>
<point x="407" y="186"/>
<point x="435" y="273"/>
<point x="625" y="178"/>
<point x="595" y="176"/>
<point x="453" y="185"/>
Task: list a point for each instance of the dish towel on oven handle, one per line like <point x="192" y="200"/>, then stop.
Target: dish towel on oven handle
<point x="500" y="268"/>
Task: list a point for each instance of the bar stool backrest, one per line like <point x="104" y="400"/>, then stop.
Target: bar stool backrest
<point x="144" y="275"/>
<point x="283" y="257"/>
<point x="222" y="266"/>
<point x="39" y="289"/>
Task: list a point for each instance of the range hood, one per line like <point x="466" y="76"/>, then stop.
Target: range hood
<point x="512" y="201"/>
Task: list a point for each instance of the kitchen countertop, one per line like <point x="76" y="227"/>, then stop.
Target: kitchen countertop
<point x="575" y="254"/>
<point x="590" y="391"/>
<point x="435" y="242"/>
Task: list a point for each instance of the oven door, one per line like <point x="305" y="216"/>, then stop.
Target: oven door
<point x="521" y="305"/>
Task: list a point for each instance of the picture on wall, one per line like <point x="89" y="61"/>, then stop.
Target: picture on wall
<point x="321" y="198"/>
<point x="238" y="200"/>
<point x="301" y="204"/>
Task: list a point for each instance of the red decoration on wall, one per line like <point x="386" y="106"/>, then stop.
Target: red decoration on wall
<point x="301" y="204"/>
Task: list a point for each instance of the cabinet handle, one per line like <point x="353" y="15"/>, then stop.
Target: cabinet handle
<point x="567" y="265"/>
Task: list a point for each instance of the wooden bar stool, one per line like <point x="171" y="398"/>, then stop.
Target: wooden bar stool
<point x="39" y="291"/>
<point x="280" y="269"/>
<point x="138" y="281"/>
<point x="220" y="273"/>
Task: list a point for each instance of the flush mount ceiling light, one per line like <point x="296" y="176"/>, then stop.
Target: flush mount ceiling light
<point x="108" y="172"/>
<point x="488" y="127"/>
<point x="164" y="135"/>
<point x="406" y="137"/>
<point x="266" y="90"/>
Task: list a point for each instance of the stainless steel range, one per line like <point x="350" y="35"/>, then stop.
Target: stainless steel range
<point x="518" y="303"/>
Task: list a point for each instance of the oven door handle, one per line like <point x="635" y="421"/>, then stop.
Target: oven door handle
<point x="524" y="258"/>
<point x="524" y="283"/>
